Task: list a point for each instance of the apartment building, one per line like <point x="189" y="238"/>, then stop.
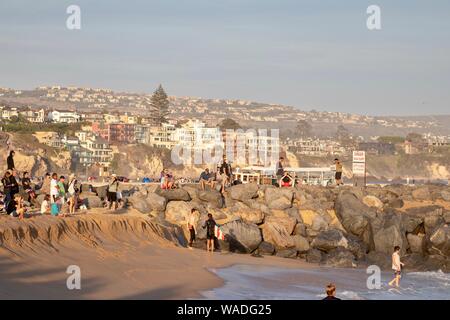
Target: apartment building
<point x="60" y="116"/>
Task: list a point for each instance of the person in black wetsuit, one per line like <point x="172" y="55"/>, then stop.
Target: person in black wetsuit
<point x="210" y="225"/>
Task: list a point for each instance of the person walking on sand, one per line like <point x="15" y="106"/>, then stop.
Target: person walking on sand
<point x="10" y="160"/>
<point x="210" y="225"/>
<point x="331" y="292"/>
<point x="396" y="266"/>
<point x="192" y="220"/>
<point x="113" y="187"/>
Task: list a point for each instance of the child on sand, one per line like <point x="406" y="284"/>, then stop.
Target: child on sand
<point x="45" y="206"/>
<point x="396" y="266"/>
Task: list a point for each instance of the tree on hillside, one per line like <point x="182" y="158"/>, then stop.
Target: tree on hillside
<point x="229" y="124"/>
<point x="414" y="137"/>
<point x="303" y="128"/>
<point x="160" y="105"/>
<point x="342" y="133"/>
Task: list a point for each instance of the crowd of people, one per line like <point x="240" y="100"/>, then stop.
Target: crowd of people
<point x="60" y="195"/>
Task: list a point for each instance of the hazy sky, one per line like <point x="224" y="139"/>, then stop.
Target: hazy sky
<point x="309" y="54"/>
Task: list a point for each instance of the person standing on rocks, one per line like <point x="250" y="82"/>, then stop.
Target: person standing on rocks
<point x="72" y="192"/>
<point x="7" y="187"/>
<point x="10" y="160"/>
<point x="225" y="173"/>
<point x="210" y="225"/>
<point x="396" y="266"/>
<point x="338" y="175"/>
<point x="113" y="187"/>
<point x="192" y="220"/>
<point x="45" y="187"/>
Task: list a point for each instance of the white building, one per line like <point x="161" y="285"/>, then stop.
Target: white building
<point x="63" y="116"/>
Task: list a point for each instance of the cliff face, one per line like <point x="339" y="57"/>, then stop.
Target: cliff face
<point x="51" y="234"/>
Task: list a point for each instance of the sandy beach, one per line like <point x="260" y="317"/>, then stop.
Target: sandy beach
<point x="118" y="258"/>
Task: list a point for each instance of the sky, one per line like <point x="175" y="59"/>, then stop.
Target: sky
<point x="308" y="54"/>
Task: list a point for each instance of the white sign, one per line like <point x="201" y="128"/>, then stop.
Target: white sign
<point x="359" y="169"/>
<point x="359" y="156"/>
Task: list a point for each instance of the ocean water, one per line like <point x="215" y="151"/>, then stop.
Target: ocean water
<point x="259" y="282"/>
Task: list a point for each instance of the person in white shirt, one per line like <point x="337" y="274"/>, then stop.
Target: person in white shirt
<point x="54" y="188"/>
<point x="45" y="206"/>
<point x="192" y="221"/>
<point x="396" y="266"/>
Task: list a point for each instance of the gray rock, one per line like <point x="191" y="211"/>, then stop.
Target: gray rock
<point x="439" y="241"/>
<point x="301" y="244"/>
<point x="266" y="248"/>
<point x="243" y="237"/>
<point x="213" y="197"/>
<point x="279" y="198"/>
<point x="422" y="193"/>
<point x="174" y="194"/>
<point x="432" y="222"/>
<point x="243" y="192"/>
<point x="340" y="258"/>
<point x="380" y="259"/>
<point x="386" y="239"/>
<point x="314" y="256"/>
<point x="355" y="216"/>
<point x="287" y="253"/>
<point x="328" y="240"/>
<point x="92" y="201"/>
<point x="416" y="243"/>
<point x="357" y="247"/>
<point x="300" y="229"/>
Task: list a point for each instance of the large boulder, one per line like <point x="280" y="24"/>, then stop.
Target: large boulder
<point x="147" y="203"/>
<point x="383" y="260"/>
<point x="288" y="222"/>
<point x="242" y="237"/>
<point x="213" y="197"/>
<point x="439" y="241"/>
<point x="357" y="247"/>
<point x="279" y="198"/>
<point x="92" y="201"/>
<point x="266" y="248"/>
<point x="411" y="223"/>
<point x="421" y="194"/>
<point x="174" y="194"/>
<point x="276" y="231"/>
<point x="355" y="216"/>
<point x="445" y="195"/>
<point x="243" y="192"/>
<point x="301" y="244"/>
<point x="287" y="253"/>
<point x="250" y="215"/>
<point x="387" y="238"/>
<point x="340" y="258"/>
<point x="314" y="256"/>
<point x="416" y="243"/>
<point x="372" y="201"/>
<point x="432" y="222"/>
<point x="330" y="239"/>
<point x="101" y="191"/>
<point x="177" y="212"/>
